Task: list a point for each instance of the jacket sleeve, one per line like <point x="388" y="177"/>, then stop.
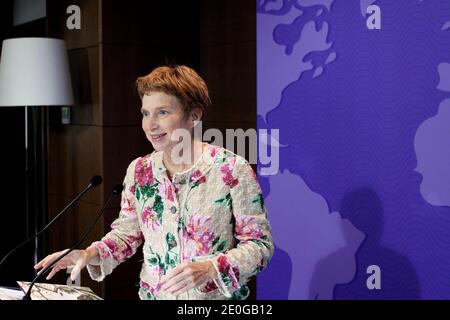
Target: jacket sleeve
<point x="252" y="230"/>
<point x="125" y="236"/>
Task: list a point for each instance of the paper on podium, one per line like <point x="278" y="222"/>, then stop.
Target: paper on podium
<point x="48" y="291"/>
<point x="11" y="294"/>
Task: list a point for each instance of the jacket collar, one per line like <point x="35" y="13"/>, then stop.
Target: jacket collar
<point x="209" y="157"/>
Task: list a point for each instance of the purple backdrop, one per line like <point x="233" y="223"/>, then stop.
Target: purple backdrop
<point x="364" y="119"/>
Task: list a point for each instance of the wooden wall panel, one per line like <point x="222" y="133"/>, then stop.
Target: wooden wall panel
<point x="160" y="24"/>
<point x="122" y="65"/>
<point x="87" y="36"/>
<point x="74" y="223"/>
<point x="227" y="21"/>
<point x="84" y="68"/>
<point x="230" y="72"/>
<point x="75" y="154"/>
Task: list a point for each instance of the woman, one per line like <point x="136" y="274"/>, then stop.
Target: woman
<point x="202" y="222"/>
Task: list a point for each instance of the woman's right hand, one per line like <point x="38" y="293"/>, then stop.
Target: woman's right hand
<point x="78" y="259"/>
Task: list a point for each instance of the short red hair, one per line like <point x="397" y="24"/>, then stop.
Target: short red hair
<point x="179" y="81"/>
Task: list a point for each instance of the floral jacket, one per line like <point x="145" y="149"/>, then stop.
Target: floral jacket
<point x="213" y="211"/>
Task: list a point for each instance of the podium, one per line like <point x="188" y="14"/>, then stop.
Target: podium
<point x="48" y="291"/>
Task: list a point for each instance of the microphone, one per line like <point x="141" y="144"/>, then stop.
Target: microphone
<point x="95" y="181"/>
<point x="117" y="189"/>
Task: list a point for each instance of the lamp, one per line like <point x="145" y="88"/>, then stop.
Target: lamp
<point x="34" y="72"/>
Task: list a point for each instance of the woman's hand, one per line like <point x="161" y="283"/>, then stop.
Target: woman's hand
<point x="78" y="259"/>
<point x="186" y="276"/>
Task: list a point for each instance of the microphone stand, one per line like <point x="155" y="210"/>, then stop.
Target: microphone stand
<point x="116" y="190"/>
<point x="95" y="181"/>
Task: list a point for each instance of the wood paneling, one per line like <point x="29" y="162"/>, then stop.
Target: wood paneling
<point x="164" y="25"/>
<point x="74" y="223"/>
<point x="122" y="65"/>
<point x="84" y="68"/>
<point x="227" y="22"/>
<point x="75" y="155"/>
<point x="230" y="72"/>
<point x="87" y="36"/>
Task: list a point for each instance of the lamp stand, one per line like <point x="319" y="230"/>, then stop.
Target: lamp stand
<point x="33" y="163"/>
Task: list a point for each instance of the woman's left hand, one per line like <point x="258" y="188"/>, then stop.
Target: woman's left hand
<point x="186" y="276"/>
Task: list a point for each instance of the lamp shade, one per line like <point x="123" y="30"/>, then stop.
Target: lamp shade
<point x="35" y="72"/>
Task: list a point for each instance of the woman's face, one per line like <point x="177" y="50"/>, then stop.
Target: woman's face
<point x="161" y="115"/>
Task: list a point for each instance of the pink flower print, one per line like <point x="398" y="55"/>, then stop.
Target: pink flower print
<point x="247" y="228"/>
<point x="135" y="238"/>
<point x="210" y="286"/>
<point x="103" y="249"/>
<point x="133" y="189"/>
<point x="225" y="269"/>
<point x="149" y="219"/>
<point x="112" y="245"/>
<point x="151" y="287"/>
<point x="154" y="276"/>
<point x="198" y="178"/>
<point x="198" y="237"/>
<point x="117" y="254"/>
<point x="128" y="205"/>
<point x="143" y="173"/>
<point x="227" y="176"/>
<point x="198" y="223"/>
<point x="237" y="276"/>
<point x="198" y="244"/>
<point x="165" y="189"/>
<point x="169" y="193"/>
<point x="125" y="253"/>
<point x="145" y="285"/>
<point x="213" y="152"/>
